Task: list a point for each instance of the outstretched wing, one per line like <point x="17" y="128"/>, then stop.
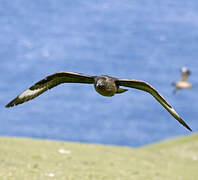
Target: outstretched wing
<point x="141" y="85"/>
<point x="48" y="83"/>
<point x="184" y="76"/>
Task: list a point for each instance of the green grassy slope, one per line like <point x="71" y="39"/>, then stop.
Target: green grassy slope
<point x="30" y="159"/>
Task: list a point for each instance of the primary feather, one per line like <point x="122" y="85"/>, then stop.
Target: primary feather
<point x="48" y="83"/>
<point x="141" y="85"/>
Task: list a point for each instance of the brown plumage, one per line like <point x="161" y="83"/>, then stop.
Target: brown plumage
<point x="104" y="85"/>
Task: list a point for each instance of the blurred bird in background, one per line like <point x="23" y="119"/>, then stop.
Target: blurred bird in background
<point x="183" y="82"/>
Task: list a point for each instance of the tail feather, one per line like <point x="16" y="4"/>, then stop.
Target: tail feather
<point x="121" y="90"/>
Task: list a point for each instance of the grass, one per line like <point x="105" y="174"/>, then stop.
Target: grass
<point x="31" y="159"/>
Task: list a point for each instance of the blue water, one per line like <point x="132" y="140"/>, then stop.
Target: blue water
<point x="140" y="39"/>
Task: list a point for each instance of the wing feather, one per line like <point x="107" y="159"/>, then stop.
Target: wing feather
<point x="141" y="85"/>
<point x="184" y="76"/>
<point x="185" y="73"/>
<point x="48" y="83"/>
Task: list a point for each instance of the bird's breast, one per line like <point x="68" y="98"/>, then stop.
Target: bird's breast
<point x="108" y="90"/>
<point x="183" y="84"/>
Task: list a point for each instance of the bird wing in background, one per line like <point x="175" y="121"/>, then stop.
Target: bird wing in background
<point x="48" y="83"/>
<point x="141" y="85"/>
<point x="185" y="74"/>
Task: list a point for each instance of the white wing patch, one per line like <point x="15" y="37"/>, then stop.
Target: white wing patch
<point x="174" y="113"/>
<point x="29" y="93"/>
